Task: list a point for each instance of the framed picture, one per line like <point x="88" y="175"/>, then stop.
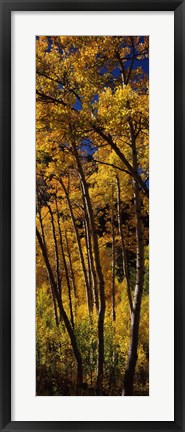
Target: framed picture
<point x="92" y="303"/>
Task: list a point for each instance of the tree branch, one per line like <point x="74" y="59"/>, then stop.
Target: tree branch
<point x="134" y="174"/>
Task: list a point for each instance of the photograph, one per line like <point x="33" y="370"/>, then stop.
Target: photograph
<point x="92" y="215"/>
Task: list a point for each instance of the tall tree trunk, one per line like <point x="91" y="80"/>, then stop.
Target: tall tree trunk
<point x="71" y="266"/>
<point x="63" y="314"/>
<point x="88" y="264"/>
<point x="55" y="248"/>
<point x="82" y="261"/>
<point x="90" y="253"/>
<point x="113" y="264"/>
<point x="123" y="248"/>
<point x="65" y="265"/>
<point x="101" y="314"/>
<point x="135" y="315"/>
<point x="51" y="288"/>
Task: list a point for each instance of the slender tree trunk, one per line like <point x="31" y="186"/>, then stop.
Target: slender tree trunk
<point x="71" y="266"/>
<point x="65" y="266"/>
<point x="41" y="225"/>
<point x="63" y="314"/>
<point x="90" y="254"/>
<point x="55" y="249"/>
<point x="82" y="261"/>
<point x="99" y="272"/>
<point x="123" y="248"/>
<point x="135" y="316"/>
<point x="113" y="265"/>
<point x="88" y="265"/>
<point x="51" y="289"/>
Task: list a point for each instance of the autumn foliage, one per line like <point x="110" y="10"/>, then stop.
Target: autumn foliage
<point x="92" y="174"/>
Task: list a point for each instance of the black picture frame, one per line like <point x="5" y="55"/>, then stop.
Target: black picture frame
<point x="5" y="213"/>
